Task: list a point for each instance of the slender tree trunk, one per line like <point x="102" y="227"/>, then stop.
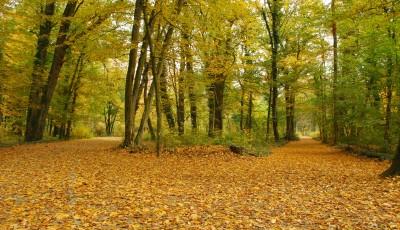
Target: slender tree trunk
<point x="269" y="113"/>
<point x="38" y="73"/>
<point x="249" y="122"/>
<point x="74" y="90"/>
<point x="211" y="109"/>
<point x="242" y="107"/>
<point x="145" y="115"/>
<point x="70" y="94"/>
<point x="130" y="76"/>
<point x="274" y="61"/>
<point x="335" y="131"/>
<point x="158" y="68"/>
<point x="192" y="95"/>
<point x="165" y="100"/>
<point x="391" y="70"/>
<point x="388" y="112"/>
<point x="181" y="96"/>
<point x="290" y="109"/>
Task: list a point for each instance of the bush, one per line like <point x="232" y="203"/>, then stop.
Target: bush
<point x="100" y="129"/>
<point x="254" y="145"/>
<point x="81" y="132"/>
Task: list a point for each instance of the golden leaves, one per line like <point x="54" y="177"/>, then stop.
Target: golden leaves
<point x="91" y="185"/>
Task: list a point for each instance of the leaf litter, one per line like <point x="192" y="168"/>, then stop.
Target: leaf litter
<point x="92" y="184"/>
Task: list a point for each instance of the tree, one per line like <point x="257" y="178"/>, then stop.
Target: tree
<point x="271" y="16"/>
<point x="132" y="82"/>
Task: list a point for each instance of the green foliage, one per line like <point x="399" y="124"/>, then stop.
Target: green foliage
<point x="81" y="131"/>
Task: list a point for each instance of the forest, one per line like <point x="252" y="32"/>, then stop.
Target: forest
<point x="258" y="89"/>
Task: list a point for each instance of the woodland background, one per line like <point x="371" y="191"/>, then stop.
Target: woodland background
<point x="225" y="71"/>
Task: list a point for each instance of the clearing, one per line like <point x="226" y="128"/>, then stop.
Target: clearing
<point x="88" y="184"/>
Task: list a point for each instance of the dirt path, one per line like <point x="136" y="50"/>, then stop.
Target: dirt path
<point x="91" y="184"/>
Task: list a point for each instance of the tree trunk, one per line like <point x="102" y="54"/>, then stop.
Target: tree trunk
<point x="249" y="122"/>
<point x="275" y="41"/>
<point x="157" y="70"/>
<point x="269" y="114"/>
<point x="391" y="71"/>
<point x="181" y="97"/>
<point x="290" y="124"/>
<point x="192" y="95"/>
<point x="38" y="73"/>
<point x="388" y="112"/>
<point x="241" y="106"/>
<point x="36" y="119"/>
<point x="394" y="169"/>
<point x="145" y="116"/>
<point x="335" y="131"/>
<point x="130" y="76"/>
<point x="165" y="100"/>
<point x="215" y="105"/>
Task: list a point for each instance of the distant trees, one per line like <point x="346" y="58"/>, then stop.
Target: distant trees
<point x="274" y="69"/>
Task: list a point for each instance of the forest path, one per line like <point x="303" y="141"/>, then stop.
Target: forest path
<point x="92" y="184"/>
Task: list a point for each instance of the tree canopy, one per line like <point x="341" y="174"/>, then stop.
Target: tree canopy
<point x="182" y="72"/>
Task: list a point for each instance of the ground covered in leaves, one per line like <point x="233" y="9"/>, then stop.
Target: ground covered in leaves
<point x="92" y="184"/>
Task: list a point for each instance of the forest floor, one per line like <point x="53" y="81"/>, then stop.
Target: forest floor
<point x="92" y="184"/>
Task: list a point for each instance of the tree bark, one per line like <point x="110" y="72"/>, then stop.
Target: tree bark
<point x="241" y="106"/>
<point x="38" y="73"/>
<point x="130" y="76"/>
<point x="215" y="105"/>
<point x="391" y="70"/>
<point x="181" y="96"/>
<point x="394" y="169"/>
<point x="273" y="32"/>
<point x="157" y="69"/>
<point x="37" y="117"/>
<point x="274" y="71"/>
<point x="290" y="125"/>
<point x="269" y="113"/>
<point x="335" y="131"/>
<point x="145" y="115"/>
<point x="192" y="94"/>
<point x="165" y="100"/>
<point x="249" y="121"/>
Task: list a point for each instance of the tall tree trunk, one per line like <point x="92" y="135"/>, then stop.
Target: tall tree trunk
<point x="130" y="76"/>
<point x="324" y="131"/>
<point x="165" y="100"/>
<point x="249" y="121"/>
<point x="391" y="71"/>
<point x="181" y="96"/>
<point x="274" y="64"/>
<point x="269" y="113"/>
<point x="70" y="95"/>
<point x="335" y="131"/>
<point x="38" y="116"/>
<point x="192" y="94"/>
<point x="74" y="90"/>
<point x="242" y="106"/>
<point x="215" y="104"/>
<point x="157" y="70"/>
<point x="38" y="73"/>
<point x="388" y="112"/>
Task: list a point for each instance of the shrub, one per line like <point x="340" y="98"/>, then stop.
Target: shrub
<point x="81" y="132"/>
